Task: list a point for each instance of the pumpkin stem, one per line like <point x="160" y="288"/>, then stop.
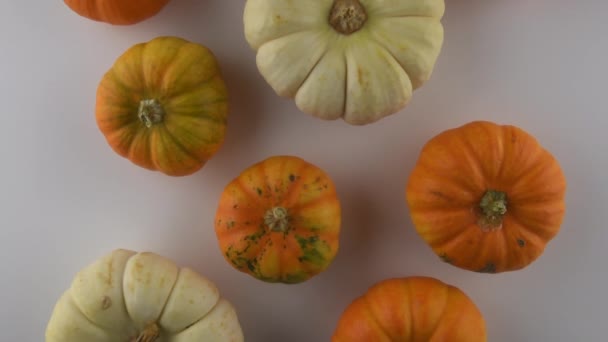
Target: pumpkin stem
<point x="277" y="219"/>
<point x="150" y="112"/>
<point x="493" y="206"/>
<point x="150" y="334"/>
<point x="347" y="16"/>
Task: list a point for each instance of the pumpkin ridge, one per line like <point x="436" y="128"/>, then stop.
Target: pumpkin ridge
<point x="125" y="139"/>
<point x="148" y="58"/>
<point x="406" y="69"/>
<point x="531" y="181"/>
<point x="312" y="203"/>
<point x="451" y="189"/>
<point x="83" y="314"/>
<point x="162" y="311"/>
<point x="253" y="197"/>
<point x="449" y="248"/>
<point x="291" y="199"/>
<point x="201" y="114"/>
<point x="217" y="303"/>
<point x="537" y="230"/>
<point x="167" y="77"/>
<point x="322" y="55"/>
<point x="409" y="291"/>
<point x="216" y="76"/>
<point x="474" y="157"/>
<point x="384" y="47"/>
<point x="369" y="309"/>
<point x="160" y="139"/>
<point x="164" y="130"/>
<point x="450" y="234"/>
<point x="138" y="87"/>
<point x="439" y="319"/>
<point x="122" y="112"/>
<point x="132" y="153"/>
<point x="113" y="76"/>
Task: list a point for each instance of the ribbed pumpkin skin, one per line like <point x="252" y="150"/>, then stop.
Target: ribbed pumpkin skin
<point x="117" y="12"/>
<point x="185" y="80"/>
<point x="311" y="239"/>
<point x="454" y="172"/>
<point x="413" y="309"/>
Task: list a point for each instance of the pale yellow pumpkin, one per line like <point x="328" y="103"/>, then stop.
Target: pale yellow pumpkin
<point x="141" y="297"/>
<point x="358" y="60"/>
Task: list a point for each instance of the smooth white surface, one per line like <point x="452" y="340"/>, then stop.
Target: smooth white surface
<point x="67" y="199"/>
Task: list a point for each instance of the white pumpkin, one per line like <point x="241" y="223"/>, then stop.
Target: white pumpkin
<point x="141" y="297"/>
<point x="358" y="60"/>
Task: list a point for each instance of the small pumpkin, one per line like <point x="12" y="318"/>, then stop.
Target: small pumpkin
<point x="359" y="60"/>
<point x="486" y="197"/>
<point x="127" y="296"/>
<point x="279" y="220"/>
<point x="117" y="12"/>
<point x="411" y="309"/>
<point x="164" y="105"/>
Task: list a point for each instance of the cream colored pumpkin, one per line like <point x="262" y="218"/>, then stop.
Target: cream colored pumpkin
<point x="359" y="60"/>
<point x="141" y="297"/>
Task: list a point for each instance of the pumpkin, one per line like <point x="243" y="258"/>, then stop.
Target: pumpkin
<point x="163" y="105"/>
<point x="486" y="197"/>
<point x="117" y="12"/>
<point x="359" y="60"/>
<point x="279" y="220"/>
<point x="141" y="297"/>
<point x="411" y="309"/>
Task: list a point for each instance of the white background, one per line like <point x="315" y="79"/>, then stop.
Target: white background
<point x="67" y="199"/>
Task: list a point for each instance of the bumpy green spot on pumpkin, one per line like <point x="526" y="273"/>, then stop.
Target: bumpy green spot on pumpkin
<point x="294" y="278"/>
<point x="311" y="250"/>
<point x="521" y="242"/>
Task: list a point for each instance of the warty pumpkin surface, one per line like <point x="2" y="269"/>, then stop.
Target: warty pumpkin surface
<point x="164" y="105"/>
<point x="117" y="12"/>
<point x="141" y="297"/>
<point x="412" y="309"/>
<point x="358" y="60"/>
<point x="279" y="220"/>
<point x="486" y="197"/>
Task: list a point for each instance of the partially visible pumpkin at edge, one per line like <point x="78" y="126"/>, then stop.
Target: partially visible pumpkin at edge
<point x="411" y="309"/>
<point x="117" y="12"/>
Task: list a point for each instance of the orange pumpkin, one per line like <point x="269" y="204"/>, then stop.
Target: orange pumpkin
<point x="411" y="309"/>
<point x="486" y="197"/>
<point x="163" y="105"/>
<point x="279" y="220"/>
<point x="117" y="12"/>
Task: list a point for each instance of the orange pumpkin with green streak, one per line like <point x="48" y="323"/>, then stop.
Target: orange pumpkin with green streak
<point x="486" y="197"/>
<point x="411" y="309"/>
<point x="279" y="220"/>
<point x="164" y="105"/>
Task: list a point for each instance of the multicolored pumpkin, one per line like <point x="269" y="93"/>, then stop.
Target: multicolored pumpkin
<point x="486" y="197"/>
<point x="164" y="105"/>
<point x="279" y="220"/>
<point x="117" y="12"/>
<point x="411" y="309"/>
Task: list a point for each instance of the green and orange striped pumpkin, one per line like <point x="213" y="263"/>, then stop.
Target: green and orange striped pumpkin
<point x="164" y="105"/>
